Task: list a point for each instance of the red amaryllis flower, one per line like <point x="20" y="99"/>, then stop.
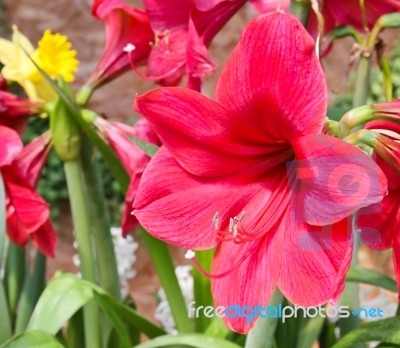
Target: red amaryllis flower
<point x="28" y="215"/>
<point x="124" y="25"/>
<point x="183" y="31"/>
<point x="250" y="172"/>
<point x="131" y="156"/>
<point x="14" y="110"/>
<point x="350" y="13"/>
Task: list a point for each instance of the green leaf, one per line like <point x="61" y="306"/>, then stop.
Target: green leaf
<point x="368" y="276"/>
<point x="5" y="322"/>
<point x="386" y="330"/>
<point x="344" y="31"/>
<point x="33" y="287"/>
<point x="387" y="79"/>
<point x="310" y="332"/>
<point x="112" y="315"/>
<point x="217" y="328"/>
<point x="34" y="339"/>
<point x="164" y="266"/>
<point x="66" y="293"/>
<point x="264" y="329"/>
<point x="191" y="340"/>
<point x="202" y="287"/>
<point x="148" y="148"/>
<point x="62" y="297"/>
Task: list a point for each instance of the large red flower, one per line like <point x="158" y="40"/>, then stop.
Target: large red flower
<point x="250" y="173"/>
<point x="124" y="25"/>
<point x="28" y="215"/>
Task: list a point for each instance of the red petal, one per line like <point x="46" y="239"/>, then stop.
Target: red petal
<point x="314" y="261"/>
<point x="167" y="59"/>
<point x="11" y="145"/>
<point x="124" y="25"/>
<point x="253" y="281"/>
<point x="32" y="158"/>
<point x="189" y="211"/>
<point x="198" y="60"/>
<point x="129" y="221"/>
<point x="27" y="209"/>
<point x="45" y="239"/>
<point x="335" y="179"/>
<point x="379" y="222"/>
<point x="210" y="16"/>
<point x="274" y="80"/>
<point x="168" y="14"/>
<point x="202" y="135"/>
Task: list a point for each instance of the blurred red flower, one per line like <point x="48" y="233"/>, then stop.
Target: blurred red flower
<point x="28" y="215"/>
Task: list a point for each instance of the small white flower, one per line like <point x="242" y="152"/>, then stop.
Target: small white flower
<point x="163" y="311"/>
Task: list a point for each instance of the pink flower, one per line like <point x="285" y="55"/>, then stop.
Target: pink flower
<point x="124" y="26"/>
<point x="28" y="215"/>
<point x="250" y="173"/>
<point x="183" y="31"/>
<point x="15" y="111"/>
<point x="131" y="156"/>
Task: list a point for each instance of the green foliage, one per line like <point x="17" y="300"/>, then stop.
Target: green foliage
<point x="377" y="95"/>
<point x="52" y="185"/>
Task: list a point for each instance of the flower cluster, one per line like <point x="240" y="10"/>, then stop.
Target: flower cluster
<point x="257" y="173"/>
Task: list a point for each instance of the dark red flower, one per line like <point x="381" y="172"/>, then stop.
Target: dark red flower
<point x="15" y="111"/>
<point x="252" y="175"/>
<point x="28" y="215"/>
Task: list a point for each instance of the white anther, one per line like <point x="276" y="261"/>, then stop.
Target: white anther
<point x="216" y="221"/>
<point x="231" y="222"/>
<point x="190" y="254"/>
<point x="129" y="48"/>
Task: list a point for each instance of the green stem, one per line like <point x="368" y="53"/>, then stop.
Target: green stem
<point x="202" y="287"/>
<point x="262" y="334"/>
<point x="33" y="287"/>
<point x="14" y="276"/>
<point x="100" y="223"/>
<point x="350" y="296"/>
<point x="301" y="9"/>
<point x="84" y="95"/>
<point x="361" y="90"/>
<point x="82" y="227"/>
<point x="166" y="272"/>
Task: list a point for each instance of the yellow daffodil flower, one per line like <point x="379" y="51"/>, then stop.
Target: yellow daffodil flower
<point x="53" y="54"/>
